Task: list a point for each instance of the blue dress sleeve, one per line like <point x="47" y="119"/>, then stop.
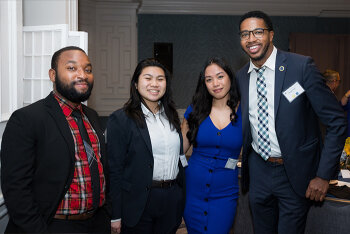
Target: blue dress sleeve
<point x="188" y="111"/>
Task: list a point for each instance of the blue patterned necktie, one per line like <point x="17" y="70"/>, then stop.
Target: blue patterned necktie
<point x="263" y="116"/>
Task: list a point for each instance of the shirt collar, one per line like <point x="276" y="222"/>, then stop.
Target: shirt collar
<point x="270" y="62"/>
<point x="147" y="112"/>
<point x="66" y="108"/>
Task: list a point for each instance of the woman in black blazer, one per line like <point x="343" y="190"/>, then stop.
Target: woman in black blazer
<point x="144" y="145"/>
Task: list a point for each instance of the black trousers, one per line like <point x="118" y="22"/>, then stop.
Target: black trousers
<point x="99" y="223"/>
<point x="162" y="214"/>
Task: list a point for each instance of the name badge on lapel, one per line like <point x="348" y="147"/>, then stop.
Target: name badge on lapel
<point x="231" y="163"/>
<point x="183" y="160"/>
<point x="293" y="91"/>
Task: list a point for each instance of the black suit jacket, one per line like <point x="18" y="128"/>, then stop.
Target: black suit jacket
<point x="296" y="123"/>
<point x="37" y="163"/>
<point x="131" y="167"/>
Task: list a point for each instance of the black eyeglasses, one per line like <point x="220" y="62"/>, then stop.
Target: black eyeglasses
<point x="258" y="33"/>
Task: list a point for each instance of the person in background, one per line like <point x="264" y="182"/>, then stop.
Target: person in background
<point x="144" y="144"/>
<point x="213" y="126"/>
<point x="332" y="79"/>
<point x="285" y="164"/>
<point x="53" y="161"/>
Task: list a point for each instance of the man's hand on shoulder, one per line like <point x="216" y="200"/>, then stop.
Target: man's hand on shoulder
<point x="317" y="189"/>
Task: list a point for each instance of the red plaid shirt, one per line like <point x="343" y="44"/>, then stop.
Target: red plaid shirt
<point x="78" y="198"/>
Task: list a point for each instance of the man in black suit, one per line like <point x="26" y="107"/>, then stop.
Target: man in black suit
<point x="284" y="163"/>
<point x="53" y="165"/>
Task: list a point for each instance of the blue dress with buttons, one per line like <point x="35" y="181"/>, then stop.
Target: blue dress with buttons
<point x="212" y="189"/>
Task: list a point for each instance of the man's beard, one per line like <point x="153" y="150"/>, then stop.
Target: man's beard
<point x="263" y="54"/>
<point x="70" y="93"/>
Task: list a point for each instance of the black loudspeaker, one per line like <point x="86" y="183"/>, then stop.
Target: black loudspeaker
<point x="163" y="52"/>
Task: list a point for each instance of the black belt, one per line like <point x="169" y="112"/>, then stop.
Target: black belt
<point x="163" y="183"/>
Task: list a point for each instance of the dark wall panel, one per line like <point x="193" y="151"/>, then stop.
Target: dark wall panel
<point x="197" y="37"/>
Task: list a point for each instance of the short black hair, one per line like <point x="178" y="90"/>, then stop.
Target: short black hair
<point x="56" y="55"/>
<point x="259" y="15"/>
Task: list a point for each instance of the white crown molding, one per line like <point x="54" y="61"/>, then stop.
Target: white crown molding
<point x="335" y="13"/>
<point x="323" y="8"/>
<point x="120" y="4"/>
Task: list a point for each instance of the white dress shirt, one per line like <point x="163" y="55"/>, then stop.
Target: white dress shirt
<point x="269" y="75"/>
<point x="165" y="144"/>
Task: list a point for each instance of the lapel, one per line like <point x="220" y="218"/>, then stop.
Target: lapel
<point x="245" y="98"/>
<point x="56" y="113"/>
<point x="145" y="135"/>
<point x="280" y="72"/>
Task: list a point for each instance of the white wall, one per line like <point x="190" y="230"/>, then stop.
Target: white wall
<point x="48" y="12"/>
<point x="112" y="28"/>
<point x="35" y="13"/>
<point x="2" y="128"/>
<point x="10" y="59"/>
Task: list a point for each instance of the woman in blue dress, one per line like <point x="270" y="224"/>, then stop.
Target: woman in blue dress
<point x="213" y="126"/>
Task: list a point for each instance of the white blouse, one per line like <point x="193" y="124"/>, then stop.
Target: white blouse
<point x="165" y="142"/>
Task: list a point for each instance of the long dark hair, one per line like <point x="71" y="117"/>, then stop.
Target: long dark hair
<point x="133" y="106"/>
<point x="202" y="99"/>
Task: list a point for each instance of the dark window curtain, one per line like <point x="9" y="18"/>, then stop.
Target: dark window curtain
<point x="329" y="51"/>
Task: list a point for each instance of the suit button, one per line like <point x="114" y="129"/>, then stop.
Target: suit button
<point x="206" y="199"/>
<point x="150" y="166"/>
<point x="147" y="188"/>
<point x="210" y="171"/>
<point x="217" y="147"/>
<point x="208" y="185"/>
<point x="205" y="228"/>
<point x="219" y="133"/>
<point x="215" y="158"/>
<point x="205" y="213"/>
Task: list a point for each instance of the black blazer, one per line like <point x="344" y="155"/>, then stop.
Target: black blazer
<point x="37" y="163"/>
<point x="296" y="123"/>
<point x="131" y="167"/>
